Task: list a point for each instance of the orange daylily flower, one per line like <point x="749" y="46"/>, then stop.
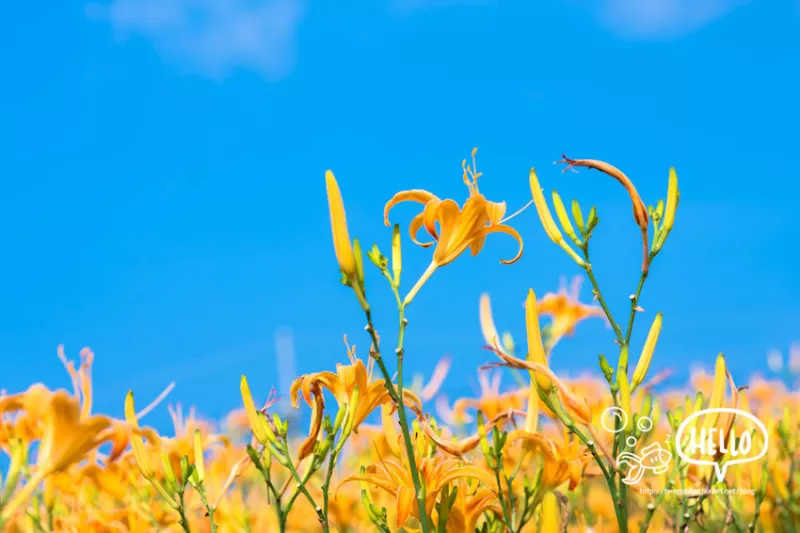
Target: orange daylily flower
<point x="372" y="393"/>
<point x="459" y="228"/>
<point x="490" y="401"/>
<point x="435" y="473"/>
<point x="577" y="407"/>
<point x="67" y="438"/>
<point x="563" y="460"/>
<point x="469" y="508"/>
<point x="459" y="448"/>
<point x="566" y="310"/>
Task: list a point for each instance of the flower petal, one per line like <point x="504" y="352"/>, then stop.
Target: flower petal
<point x="405" y="502"/>
<point x="416" y="223"/>
<point x="508" y="230"/>
<point x="415" y="195"/>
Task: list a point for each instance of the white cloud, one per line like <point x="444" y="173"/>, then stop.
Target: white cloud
<point x="662" y="18"/>
<point x="213" y="37"/>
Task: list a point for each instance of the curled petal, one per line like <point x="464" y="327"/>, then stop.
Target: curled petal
<point x="415" y="195"/>
<point x="416" y="223"/>
<point x="429" y="217"/>
<point x="316" y="424"/>
<point x="508" y="230"/>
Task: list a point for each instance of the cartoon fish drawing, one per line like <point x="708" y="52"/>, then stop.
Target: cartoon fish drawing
<point x="653" y="458"/>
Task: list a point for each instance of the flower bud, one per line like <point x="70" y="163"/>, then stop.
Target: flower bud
<point x="563" y="218"/>
<point x="647" y="353"/>
<point x="199" y="461"/>
<point x="397" y="255"/>
<point x="342" y="245"/>
<point x="547" y="219"/>
<point x="577" y="214"/>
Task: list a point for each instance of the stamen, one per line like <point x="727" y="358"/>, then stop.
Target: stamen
<point x="155" y="402"/>
<point x="524" y="207"/>
<point x="351" y="352"/>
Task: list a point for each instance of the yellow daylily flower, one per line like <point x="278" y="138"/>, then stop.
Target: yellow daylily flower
<point x="490" y="401"/>
<point x="563" y="460"/>
<point x="551" y="513"/>
<point x="66" y="440"/>
<point x="372" y="393"/>
<point x="459" y="228"/>
<point x="435" y="472"/>
<point x="576" y="406"/>
<point x="566" y="310"/>
<point x="458" y="448"/>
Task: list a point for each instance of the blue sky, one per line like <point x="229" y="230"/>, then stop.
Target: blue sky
<point x="163" y="163"/>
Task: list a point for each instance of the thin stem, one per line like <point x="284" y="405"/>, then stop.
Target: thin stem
<point x="301" y="485"/>
<point x="506" y="516"/>
<point x="651" y="508"/>
<point x="634" y="305"/>
<point x="326" y="488"/>
<point x="396" y="395"/>
<point x="182" y="513"/>
<point x="599" y="295"/>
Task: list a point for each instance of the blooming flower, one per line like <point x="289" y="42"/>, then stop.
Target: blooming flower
<point x="459" y="228"/>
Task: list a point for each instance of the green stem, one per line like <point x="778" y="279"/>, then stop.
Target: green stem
<point x="506" y="516"/>
<point x="326" y="488"/>
<point x="182" y="513"/>
<point x="599" y="295"/>
<point x="634" y="305"/>
<point x="301" y="484"/>
<point x="397" y="396"/>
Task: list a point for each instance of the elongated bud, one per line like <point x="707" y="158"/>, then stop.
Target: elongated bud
<point x="577" y="214"/>
<point x="647" y="353"/>
<point x="647" y="405"/>
<point x="672" y="201"/>
<point x="563" y="218"/>
<point x="259" y="426"/>
<point x="551" y="513"/>
<point x="532" y="414"/>
<point x="255" y="457"/>
<point x="397" y="255"/>
<point x="187" y="469"/>
<point x="673" y="420"/>
<point x="199" y="460"/>
<point x="535" y="347"/>
<point x="168" y="472"/>
<point x="281" y="426"/>
<point x="350" y="419"/>
<point x="485" y="448"/>
<point x="625" y="395"/>
<point x="660" y="210"/>
<point x="717" y="392"/>
<point x="592" y="221"/>
<point x="359" y="257"/>
<point x="508" y="342"/>
<point x="342" y="245"/>
<point x="337" y="422"/>
<point x="137" y="443"/>
<point x="547" y="219"/>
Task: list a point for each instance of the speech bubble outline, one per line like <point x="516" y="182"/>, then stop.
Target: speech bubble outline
<point x="721" y="470"/>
